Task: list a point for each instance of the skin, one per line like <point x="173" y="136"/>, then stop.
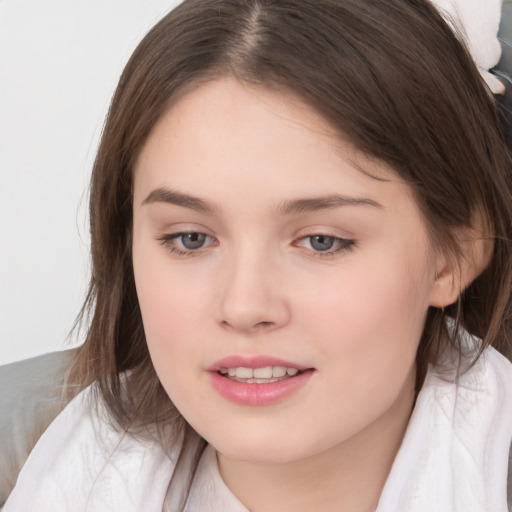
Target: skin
<point x="257" y="286"/>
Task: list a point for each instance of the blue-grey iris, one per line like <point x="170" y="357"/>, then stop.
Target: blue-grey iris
<point x="193" y="240"/>
<point x="322" y="242"/>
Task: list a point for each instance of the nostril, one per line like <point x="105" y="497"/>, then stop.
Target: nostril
<point x="264" y="324"/>
<point x="254" y="327"/>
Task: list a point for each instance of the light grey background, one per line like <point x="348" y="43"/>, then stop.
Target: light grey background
<point x="59" y="64"/>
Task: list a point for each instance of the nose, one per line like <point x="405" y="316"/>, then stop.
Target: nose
<point x="253" y="298"/>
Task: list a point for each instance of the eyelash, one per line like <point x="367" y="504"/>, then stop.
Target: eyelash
<point x="169" y="242"/>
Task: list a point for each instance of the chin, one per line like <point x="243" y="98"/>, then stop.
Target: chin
<point x="271" y="447"/>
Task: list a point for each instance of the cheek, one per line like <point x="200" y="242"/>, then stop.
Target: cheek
<point x="171" y="304"/>
<point x="166" y="305"/>
<point x="170" y="308"/>
<point x="170" y="315"/>
<point x="371" y="317"/>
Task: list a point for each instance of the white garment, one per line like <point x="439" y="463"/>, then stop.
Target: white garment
<point x="453" y="457"/>
<point x="478" y="22"/>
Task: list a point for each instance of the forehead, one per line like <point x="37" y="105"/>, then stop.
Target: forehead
<point x="226" y="138"/>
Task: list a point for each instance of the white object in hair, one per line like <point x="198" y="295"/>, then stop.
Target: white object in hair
<point x="478" y="21"/>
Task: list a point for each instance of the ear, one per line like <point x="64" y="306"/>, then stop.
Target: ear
<point x="455" y="274"/>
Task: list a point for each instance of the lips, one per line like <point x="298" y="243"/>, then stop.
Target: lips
<point x="253" y="362"/>
<point x="257" y="380"/>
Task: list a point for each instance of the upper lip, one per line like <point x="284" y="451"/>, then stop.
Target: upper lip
<point x="261" y="361"/>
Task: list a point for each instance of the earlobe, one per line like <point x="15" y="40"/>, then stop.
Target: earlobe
<point x="454" y="274"/>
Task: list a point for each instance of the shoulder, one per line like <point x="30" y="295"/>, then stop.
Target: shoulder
<point x="117" y="470"/>
<point x="30" y="398"/>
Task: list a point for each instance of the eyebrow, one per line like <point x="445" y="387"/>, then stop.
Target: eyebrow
<point x="324" y="203"/>
<point x="164" y="195"/>
<point x="294" y="206"/>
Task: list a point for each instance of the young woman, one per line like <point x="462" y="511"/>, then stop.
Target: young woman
<point x="301" y="218"/>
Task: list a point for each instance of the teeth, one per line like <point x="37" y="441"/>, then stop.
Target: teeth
<point x="244" y="373"/>
<point x="260" y="375"/>
<point x="279" y="371"/>
<point x="261" y="381"/>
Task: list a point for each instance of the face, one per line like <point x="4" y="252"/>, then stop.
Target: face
<point x="283" y="291"/>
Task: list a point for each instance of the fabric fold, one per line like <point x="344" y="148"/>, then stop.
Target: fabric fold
<point x="454" y="455"/>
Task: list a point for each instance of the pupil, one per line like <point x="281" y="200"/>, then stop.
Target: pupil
<point x="322" y="243"/>
<point x="193" y="240"/>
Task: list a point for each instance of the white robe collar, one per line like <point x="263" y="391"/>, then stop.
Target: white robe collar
<point x="453" y="458"/>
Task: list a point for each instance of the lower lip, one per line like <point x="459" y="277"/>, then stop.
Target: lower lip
<point x="258" y="394"/>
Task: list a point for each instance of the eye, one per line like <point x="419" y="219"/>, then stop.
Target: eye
<point x="321" y="242"/>
<point x="186" y="242"/>
<point x="324" y="245"/>
<point x="191" y="240"/>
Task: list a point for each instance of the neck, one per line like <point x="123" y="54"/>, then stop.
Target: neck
<point x="348" y="477"/>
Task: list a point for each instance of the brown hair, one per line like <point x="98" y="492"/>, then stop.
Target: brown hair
<point x="388" y="74"/>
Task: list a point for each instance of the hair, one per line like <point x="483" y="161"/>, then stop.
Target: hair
<point x="389" y="75"/>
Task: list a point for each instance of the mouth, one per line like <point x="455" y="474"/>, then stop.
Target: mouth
<point x="263" y="375"/>
<point x="258" y="380"/>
